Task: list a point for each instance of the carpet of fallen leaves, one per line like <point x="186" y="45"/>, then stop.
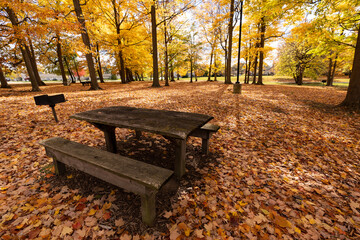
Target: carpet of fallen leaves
<point x="285" y="165"/>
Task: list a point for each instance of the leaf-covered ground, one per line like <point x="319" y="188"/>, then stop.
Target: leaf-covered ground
<point x="285" y="165"/>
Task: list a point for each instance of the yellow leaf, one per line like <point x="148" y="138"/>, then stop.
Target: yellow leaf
<point x="297" y="230"/>
<point x="311" y="221"/>
<point x="266" y="212"/>
<point x="69" y="176"/>
<point x="77" y="198"/>
<point x="106" y="206"/>
<point x="92" y="212"/>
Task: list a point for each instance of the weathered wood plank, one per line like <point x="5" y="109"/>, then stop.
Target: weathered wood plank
<point x="114" y="165"/>
<point x="167" y="123"/>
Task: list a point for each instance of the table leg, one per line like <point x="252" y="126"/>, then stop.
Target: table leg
<point x="110" y="138"/>
<point x="180" y="151"/>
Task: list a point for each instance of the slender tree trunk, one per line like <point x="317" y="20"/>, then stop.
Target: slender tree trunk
<point x="261" y="55"/>
<point x="255" y="67"/>
<point x="86" y="41"/>
<point x="73" y="80"/>
<point x="77" y="69"/>
<point x="211" y="58"/>
<point x="166" y="60"/>
<point x="33" y="62"/>
<point x="225" y="60"/>
<point x="60" y="60"/>
<point x="98" y="60"/>
<point x="172" y="74"/>
<point x="25" y="54"/>
<point x="230" y="34"/>
<point x="334" y="69"/>
<point x="191" y="70"/>
<point x="156" y="82"/>
<point x="353" y="93"/>
<point x="246" y="68"/>
<point x="328" y="81"/>
<point x="3" y="81"/>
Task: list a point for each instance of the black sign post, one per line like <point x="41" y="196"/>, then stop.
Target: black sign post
<point x="51" y="101"/>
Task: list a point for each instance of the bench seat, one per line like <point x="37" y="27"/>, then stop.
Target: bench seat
<point x="205" y="132"/>
<point x="135" y="176"/>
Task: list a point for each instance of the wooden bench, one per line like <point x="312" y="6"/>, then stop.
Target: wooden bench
<point x="84" y="83"/>
<point x="205" y="132"/>
<point x="135" y="176"/>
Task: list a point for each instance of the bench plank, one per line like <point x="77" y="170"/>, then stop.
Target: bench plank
<point x="135" y="176"/>
<point x="150" y="175"/>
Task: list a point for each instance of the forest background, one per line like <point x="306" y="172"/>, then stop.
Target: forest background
<point x="137" y="40"/>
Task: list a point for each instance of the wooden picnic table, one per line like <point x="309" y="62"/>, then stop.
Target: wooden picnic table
<point x="170" y="124"/>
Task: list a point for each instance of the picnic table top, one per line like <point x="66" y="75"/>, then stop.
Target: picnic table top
<point x="167" y="123"/>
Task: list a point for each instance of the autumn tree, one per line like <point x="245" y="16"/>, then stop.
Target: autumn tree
<point x="16" y="32"/>
<point x="86" y="41"/>
<point x="353" y="93"/>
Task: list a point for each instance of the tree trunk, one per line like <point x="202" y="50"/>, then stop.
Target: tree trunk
<point x="328" y="81"/>
<point x="246" y="69"/>
<point x="262" y="45"/>
<point x="33" y="63"/>
<point x="156" y="82"/>
<point x="86" y="41"/>
<point x="230" y="34"/>
<point x="3" y="81"/>
<point x="73" y="80"/>
<point x="191" y="70"/>
<point x="60" y="60"/>
<point x="25" y="54"/>
<point x="166" y="60"/>
<point x="211" y="58"/>
<point x="352" y="98"/>
<point x="77" y="69"/>
<point x="333" y="71"/>
<point x="255" y="67"/>
<point x="172" y="75"/>
<point x="98" y="60"/>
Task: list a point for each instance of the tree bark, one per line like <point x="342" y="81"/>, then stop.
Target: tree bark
<point x="246" y="69"/>
<point x="261" y="54"/>
<point x="191" y="70"/>
<point x="3" y="81"/>
<point x="156" y="82"/>
<point x="328" y="81"/>
<point x="166" y="60"/>
<point x="86" y="41"/>
<point x="352" y="98"/>
<point x="211" y="58"/>
<point x="73" y="80"/>
<point x="33" y="63"/>
<point x="98" y="60"/>
<point x="255" y="66"/>
<point x="60" y="60"/>
<point x="25" y="54"/>
<point x="230" y="34"/>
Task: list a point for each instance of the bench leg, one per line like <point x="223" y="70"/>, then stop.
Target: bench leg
<point x="59" y="167"/>
<point x="148" y="209"/>
<point x="180" y="153"/>
<point x="205" y="146"/>
<point x="137" y="134"/>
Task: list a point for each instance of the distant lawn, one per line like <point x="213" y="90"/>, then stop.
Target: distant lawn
<point x="341" y="82"/>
